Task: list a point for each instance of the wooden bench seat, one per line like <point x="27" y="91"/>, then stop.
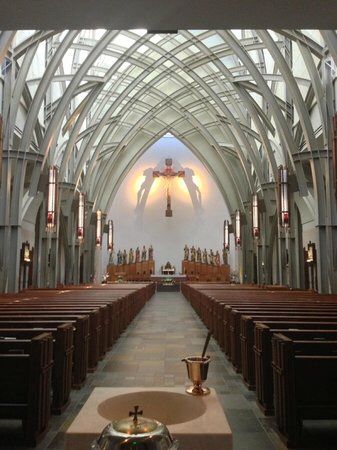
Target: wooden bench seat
<point x="80" y="339"/>
<point x="62" y="357"/>
<point x="305" y="383"/>
<point x="25" y="380"/>
<point x="263" y="353"/>
<point x="95" y="329"/>
<point x="245" y="360"/>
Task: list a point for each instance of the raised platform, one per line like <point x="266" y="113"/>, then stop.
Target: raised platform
<point x="199" y="423"/>
<point x="178" y="278"/>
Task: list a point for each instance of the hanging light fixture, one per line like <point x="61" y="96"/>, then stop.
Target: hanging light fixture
<point x="284" y="201"/>
<point x="311" y="253"/>
<point x="255" y="216"/>
<point x="237" y="228"/>
<point x="51" y="201"/>
<point x="26" y="252"/>
<point x="81" y="212"/>
<point x="98" y="228"/>
<point x="110" y="236"/>
<point x="226" y="235"/>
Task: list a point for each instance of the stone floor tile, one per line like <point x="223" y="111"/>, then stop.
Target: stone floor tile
<point x="149" y="353"/>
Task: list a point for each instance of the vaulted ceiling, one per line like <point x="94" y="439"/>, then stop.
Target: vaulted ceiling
<point x="92" y="101"/>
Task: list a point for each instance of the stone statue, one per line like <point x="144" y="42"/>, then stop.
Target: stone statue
<point x="199" y="255"/>
<point x="150" y="253"/>
<point x="144" y="253"/>
<point x="137" y="254"/>
<point x="217" y="258"/>
<point x="125" y="257"/>
<point x="131" y="256"/>
<point x="211" y="257"/>
<point x="205" y="257"/>
<point x="193" y="253"/>
<point x="119" y="257"/>
<point x="186" y="253"/>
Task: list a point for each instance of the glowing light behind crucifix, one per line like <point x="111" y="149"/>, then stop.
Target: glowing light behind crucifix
<point x="168" y="173"/>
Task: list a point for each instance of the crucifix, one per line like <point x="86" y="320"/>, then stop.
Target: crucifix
<point x="168" y="173"/>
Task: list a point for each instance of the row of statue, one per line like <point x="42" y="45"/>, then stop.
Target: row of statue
<point x="196" y="255"/>
<point x="135" y="255"/>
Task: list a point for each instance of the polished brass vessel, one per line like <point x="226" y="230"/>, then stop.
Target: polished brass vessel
<point x="197" y="369"/>
<point x="135" y="432"/>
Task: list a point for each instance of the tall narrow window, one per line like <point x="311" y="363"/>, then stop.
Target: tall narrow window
<point x="226" y="235"/>
<point x="110" y="236"/>
<point x="51" y="201"/>
<point x="237" y="228"/>
<point x="255" y="216"/>
<point x="284" y="201"/>
<point x="98" y="228"/>
<point x="81" y="213"/>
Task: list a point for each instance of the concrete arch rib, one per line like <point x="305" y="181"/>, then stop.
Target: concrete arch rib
<point x="330" y="38"/>
<point x="17" y="94"/>
<point x="52" y="131"/>
<point x="152" y="113"/>
<point x="143" y="121"/>
<point x="234" y="123"/>
<point x="127" y="159"/>
<point x="108" y="170"/>
<point x="42" y="88"/>
<point x="281" y="125"/>
<point x="6" y="38"/>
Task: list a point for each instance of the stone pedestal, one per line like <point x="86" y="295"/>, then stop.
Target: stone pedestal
<point x="199" y="423"/>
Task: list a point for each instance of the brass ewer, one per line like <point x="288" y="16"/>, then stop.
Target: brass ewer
<point x="197" y="369"/>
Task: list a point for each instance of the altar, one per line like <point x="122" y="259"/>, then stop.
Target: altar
<point x="168" y="283"/>
<point x="168" y="271"/>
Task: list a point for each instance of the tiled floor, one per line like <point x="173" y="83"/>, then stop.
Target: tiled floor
<point x="149" y="354"/>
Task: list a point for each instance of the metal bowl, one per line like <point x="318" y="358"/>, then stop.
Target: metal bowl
<point x="136" y="433"/>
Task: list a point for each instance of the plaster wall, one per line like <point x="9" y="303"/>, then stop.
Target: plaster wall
<point x="194" y="222"/>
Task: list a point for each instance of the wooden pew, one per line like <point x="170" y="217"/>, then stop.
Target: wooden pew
<point x="62" y="357"/>
<point x="80" y="334"/>
<point x="25" y="380"/>
<point x="94" y="326"/>
<point x="263" y="352"/>
<point x="244" y="354"/>
<point x="305" y="383"/>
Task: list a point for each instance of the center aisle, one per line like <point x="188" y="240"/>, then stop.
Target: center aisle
<point x="149" y="353"/>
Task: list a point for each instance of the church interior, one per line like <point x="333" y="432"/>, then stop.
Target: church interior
<point x="168" y="225"/>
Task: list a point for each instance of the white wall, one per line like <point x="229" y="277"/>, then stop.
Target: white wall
<point x="189" y="225"/>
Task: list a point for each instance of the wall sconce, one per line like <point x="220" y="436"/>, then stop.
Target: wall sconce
<point x="237" y="228"/>
<point x="110" y="236"/>
<point x="284" y="201"/>
<point x="26" y="252"/>
<point x="255" y="216"/>
<point x="81" y="212"/>
<point x="98" y="228"/>
<point x="311" y="253"/>
<point x="51" y="201"/>
<point x="226" y="235"/>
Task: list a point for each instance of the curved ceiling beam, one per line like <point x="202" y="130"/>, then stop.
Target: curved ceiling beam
<point x="330" y="38"/>
<point x="284" y="132"/>
<point x="6" y="38"/>
<point x="34" y="109"/>
<point x="234" y="122"/>
<point x="108" y="170"/>
<point x="118" y="175"/>
<point x="52" y="131"/>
